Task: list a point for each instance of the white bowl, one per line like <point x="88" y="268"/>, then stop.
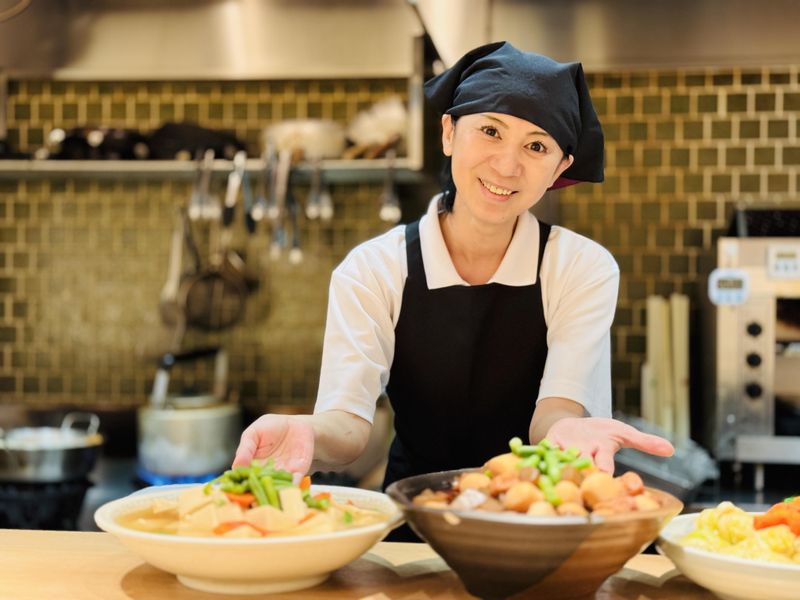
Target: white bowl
<point x="729" y="577"/>
<point x="250" y="566"/>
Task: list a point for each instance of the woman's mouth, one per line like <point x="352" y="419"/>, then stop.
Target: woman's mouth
<point x="496" y="191"/>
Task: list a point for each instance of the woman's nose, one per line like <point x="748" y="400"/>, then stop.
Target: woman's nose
<point x="507" y="162"/>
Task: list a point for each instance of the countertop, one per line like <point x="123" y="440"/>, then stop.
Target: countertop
<point x="38" y="565"/>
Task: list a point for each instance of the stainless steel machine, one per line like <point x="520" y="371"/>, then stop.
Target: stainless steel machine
<point x="753" y="372"/>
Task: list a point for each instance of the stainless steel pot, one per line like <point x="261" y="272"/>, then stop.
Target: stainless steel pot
<point x="49" y="454"/>
<point x="188" y="441"/>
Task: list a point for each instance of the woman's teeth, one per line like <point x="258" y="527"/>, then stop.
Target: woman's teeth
<point x="496" y="190"/>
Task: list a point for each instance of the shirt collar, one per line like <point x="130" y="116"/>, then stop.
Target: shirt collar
<point x="518" y="267"/>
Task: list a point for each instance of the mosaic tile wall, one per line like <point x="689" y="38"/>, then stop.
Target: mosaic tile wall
<point x="82" y="262"/>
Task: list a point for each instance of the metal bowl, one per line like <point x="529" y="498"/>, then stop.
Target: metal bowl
<point x="499" y="555"/>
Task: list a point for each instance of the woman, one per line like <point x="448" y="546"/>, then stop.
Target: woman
<point x="475" y="315"/>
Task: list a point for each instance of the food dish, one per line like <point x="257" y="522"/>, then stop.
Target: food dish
<point x="250" y="565"/>
<point x="729" y="577"/>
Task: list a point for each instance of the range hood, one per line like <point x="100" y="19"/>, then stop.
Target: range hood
<point x="209" y="39"/>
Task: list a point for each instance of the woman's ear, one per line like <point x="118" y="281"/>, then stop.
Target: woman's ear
<point x="565" y="164"/>
<point x="448" y="131"/>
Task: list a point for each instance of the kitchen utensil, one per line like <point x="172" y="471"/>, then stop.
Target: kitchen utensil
<point x="277" y="215"/>
<point x="325" y="203"/>
<point x="390" y="205"/>
<point x="499" y="555"/>
<point x="188" y="435"/>
<point x="168" y="302"/>
<point x="198" y="204"/>
<point x="50" y="454"/>
<point x="182" y="141"/>
<point x="375" y="130"/>
<point x="296" y="252"/>
<point x="251" y="566"/>
<point x="314" y="191"/>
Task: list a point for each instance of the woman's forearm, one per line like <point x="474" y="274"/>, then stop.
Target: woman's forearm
<point x="339" y="438"/>
<point x="550" y="410"/>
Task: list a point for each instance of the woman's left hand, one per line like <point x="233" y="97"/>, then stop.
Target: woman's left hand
<point x="600" y="438"/>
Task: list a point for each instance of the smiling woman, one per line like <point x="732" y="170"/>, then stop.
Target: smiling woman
<point x="481" y="322"/>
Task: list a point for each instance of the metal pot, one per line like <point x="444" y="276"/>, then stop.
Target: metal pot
<point x="49" y="454"/>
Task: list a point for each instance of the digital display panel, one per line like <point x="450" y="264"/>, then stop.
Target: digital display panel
<point x="730" y="284"/>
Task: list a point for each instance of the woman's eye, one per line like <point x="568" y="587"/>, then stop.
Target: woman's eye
<point x="489" y="130"/>
<point x="537" y="147"/>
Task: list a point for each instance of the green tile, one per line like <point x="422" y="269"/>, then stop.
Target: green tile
<point x="751" y="78"/>
<point x="637" y="131"/>
<point x="791" y="155"/>
<point x="692" y="238"/>
<point x="216" y="110"/>
<point x="651" y="105"/>
<point x="612" y="81"/>
<point x="665" y="237"/>
<point x="764" y="156"/>
<point x="778" y="129"/>
<point x="118" y="110"/>
<point x="679" y="104"/>
<point x="624" y="105"/>
<point x="721" y="183"/>
<point x="665" y="184"/>
<point x="20" y="310"/>
<point x="652" y="264"/>
<point x="735" y="156"/>
<point x="637" y="184"/>
<point x="30" y="385"/>
<point x="707" y="103"/>
<point x="611" y="184"/>
<point x="692" y="182"/>
<point x="706" y="210"/>
<point x="749" y="130"/>
<point x="142" y="111"/>
<point x="651" y="157"/>
<point x="600" y="104"/>
<point x="665" y="130"/>
<point x="721" y="130"/>
<point x="264" y="110"/>
<point x="693" y="130"/>
<point x="678" y="264"/>
<point x="737" y="102"/>
<point x="35" y="137"/>
<point x="46" y="111"/>
<point x="695" y="79"/>
<point x="7" y="384"/>
<point x="166" y="111"/>
<point x="314" y="110"/>
<point x="639" y="80"/>
<point x="777" y="182"/>
<point x="637" y="290"/>
<point x="749" y="183"/>
<point x="791" y="101"/>
<point x="779" y="78"/>
<point x="722" y="79"/>
<point x="651" y="211"/>
<point x="679" y="157"/>
<point x="706" y="156"/>
<point x="55" y="385"/>
<point x="94" y="111"/>
<point x="622" y="211"/>
<point x="191" y="112"/>
<point x="240" y="110"/>
<point x="611" y="131"/>
<point x="289" y="110"/>
<point x="669" y="80"/>
<point x="69" y="110"/>
<point x="765" y="102"/>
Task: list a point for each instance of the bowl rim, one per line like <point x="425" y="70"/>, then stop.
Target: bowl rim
<point x="666" y="538"/>
<point x="672" y="506"/>
<point x="105" y="521"/>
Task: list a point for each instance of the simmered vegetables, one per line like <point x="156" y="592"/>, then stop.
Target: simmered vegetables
<point x="542" y="480"/>
<point x="727" y="529"/>
<point x="246" y="502"/>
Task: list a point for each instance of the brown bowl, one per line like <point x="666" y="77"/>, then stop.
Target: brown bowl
<point x="503" y="555"/>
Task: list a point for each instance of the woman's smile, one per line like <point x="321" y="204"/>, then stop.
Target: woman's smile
<point x="496" y="192"/>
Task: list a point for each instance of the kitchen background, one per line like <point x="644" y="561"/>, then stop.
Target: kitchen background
<point x="694" y="127"/>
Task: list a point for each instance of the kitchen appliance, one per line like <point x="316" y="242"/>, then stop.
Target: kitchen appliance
<point x="187" y="438"/>
<point x="753" y="370"/>
<point x="44" y="472"/>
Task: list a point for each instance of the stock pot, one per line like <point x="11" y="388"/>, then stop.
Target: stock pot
<point x="51" y="454"/>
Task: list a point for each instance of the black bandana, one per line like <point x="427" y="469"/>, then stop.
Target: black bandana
<point x="499" y="78"/>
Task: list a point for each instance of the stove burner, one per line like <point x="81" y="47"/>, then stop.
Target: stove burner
<point x="150" y="478"/>
<point x="54" y="506"/>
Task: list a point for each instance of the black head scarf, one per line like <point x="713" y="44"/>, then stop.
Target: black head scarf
<point x="499" y="78"/>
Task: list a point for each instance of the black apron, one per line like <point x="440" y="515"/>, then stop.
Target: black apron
<point x="467" y="365"/>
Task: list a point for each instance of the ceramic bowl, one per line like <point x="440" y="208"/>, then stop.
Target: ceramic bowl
<point x="250" y="566"/>
<point x="729" y="577"/>
<point x="502" y="555"/>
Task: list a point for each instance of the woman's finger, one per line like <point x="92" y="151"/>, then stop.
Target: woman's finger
<point x="604" y="458"/>
<point x="630" y="437"/>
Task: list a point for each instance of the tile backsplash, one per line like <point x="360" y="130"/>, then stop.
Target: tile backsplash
<point x="82" y="261"/>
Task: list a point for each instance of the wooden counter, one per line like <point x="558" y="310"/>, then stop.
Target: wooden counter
<point x="95" y="566"/>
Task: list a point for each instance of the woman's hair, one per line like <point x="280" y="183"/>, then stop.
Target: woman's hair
<point x="446" y="180"/>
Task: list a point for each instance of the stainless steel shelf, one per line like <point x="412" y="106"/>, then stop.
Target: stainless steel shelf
<point x="334" y="171"/>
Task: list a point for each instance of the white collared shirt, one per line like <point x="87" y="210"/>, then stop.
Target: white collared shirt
<point x="580" y="282"/>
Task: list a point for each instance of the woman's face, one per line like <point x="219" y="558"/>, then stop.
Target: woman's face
<point x="501" y="165"/>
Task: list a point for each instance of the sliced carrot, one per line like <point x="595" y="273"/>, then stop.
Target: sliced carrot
<point x="305" y="518"/>
<point x="305" y="483"/>
<point x="323" y="496"/>
<point x="227" y="526"/>
<point x="244" y="500"/>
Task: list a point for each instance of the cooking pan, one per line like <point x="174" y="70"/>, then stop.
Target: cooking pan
<point x="50" y="454"/>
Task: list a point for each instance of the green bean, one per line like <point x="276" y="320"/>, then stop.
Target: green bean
<point x="257" y="489"/>
<point x="548" y="489"/>
<point x="546" y="444"/>
<point x="531" y="461"/>
<point x="582" y="463"/>
<point x="514" y="443"/>
<point x="347" y="517"/>
<point x="573" y="453"/>
<point x="272" y="493"/>
<point x="525" y="451"/>
<point x="233" y="488"/>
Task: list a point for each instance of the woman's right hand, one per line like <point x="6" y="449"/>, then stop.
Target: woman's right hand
<point x="286" y="439"/>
